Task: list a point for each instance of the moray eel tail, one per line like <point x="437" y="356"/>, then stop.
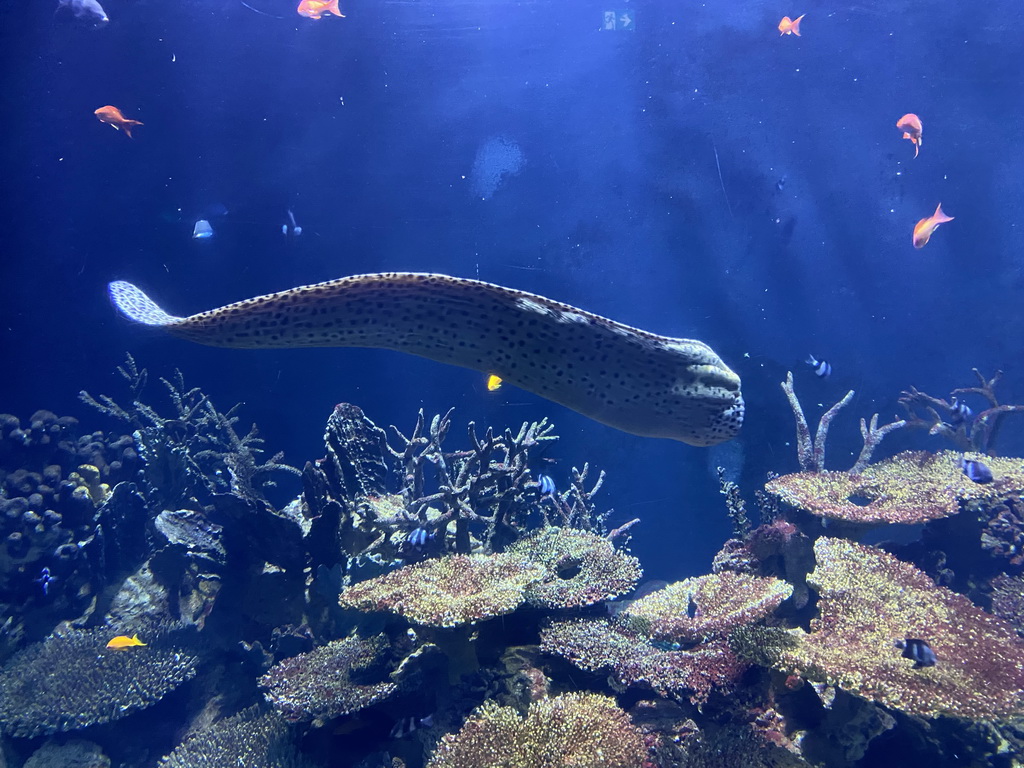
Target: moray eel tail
<point x="137" y="306"/>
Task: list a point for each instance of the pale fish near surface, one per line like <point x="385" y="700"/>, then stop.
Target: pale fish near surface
<point x="627" y="378"/>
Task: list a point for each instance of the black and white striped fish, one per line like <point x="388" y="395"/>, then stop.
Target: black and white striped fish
<point x="822" y="368"/>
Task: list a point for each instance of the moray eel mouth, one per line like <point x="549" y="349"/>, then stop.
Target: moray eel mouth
<point x="627" y="378"/>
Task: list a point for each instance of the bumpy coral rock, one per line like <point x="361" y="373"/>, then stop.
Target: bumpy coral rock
<point x="319" y="685"/>
<point x="73" y="681"/>
<point x="911" y="487"/>
<point x="251" y="738"/>
<point x="868" y="600"/>
<point x="76" y="753"/>
<point x="575" y="729"/>
<point x="629" y="654"/>
<point x="449" y="591"/>
<point x="1008" y="600"/>
<point x="583" y="568"/>
<point x="709" y="606"/>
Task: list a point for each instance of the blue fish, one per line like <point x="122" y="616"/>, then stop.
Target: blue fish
<point x="917" y="651"/>
<point x="822" y="368"/>
<point x="547" y="485"/>
<point x="977" y="471"/>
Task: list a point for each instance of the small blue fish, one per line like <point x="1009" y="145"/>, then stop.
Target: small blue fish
<point x="822" y="368"/>
<point x="976" y="471"/>
<point x="959" y="412"/>
<point x="45" y="580"/>
<point x="547" y="485"/>
<point x="917" y="651"/>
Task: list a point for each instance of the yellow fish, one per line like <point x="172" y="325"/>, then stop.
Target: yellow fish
<point x="493" y="383"/>
<point x="123" y="642"/>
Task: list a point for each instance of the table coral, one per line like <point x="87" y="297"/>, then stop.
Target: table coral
<point x="575" y="730"/>
<point x="251" y="738"/>
<point x="867" y="600"/>
<point x="582" y="568"/>
<point x="72" y="681"/>
<point x="911" y="487"/>
<point x="449" y="591"/>
<point x="318" y="685"/>
<point x="623" y="648"/>
<point x="708" y="606"/>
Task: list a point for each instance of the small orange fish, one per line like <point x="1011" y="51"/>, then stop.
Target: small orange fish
<point x="925" y="227"/>
<point x="790" y="26"/>
<point x="910" y="124"/>
<point x="113" y="116"/>
<point x="493" y="383"/>
<point x="314" y="9"/>
<point x="123" y="642"/>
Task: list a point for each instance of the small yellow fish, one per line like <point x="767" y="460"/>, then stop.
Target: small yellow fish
<point x="123" y="642"/>
<point x="493" y="383"/>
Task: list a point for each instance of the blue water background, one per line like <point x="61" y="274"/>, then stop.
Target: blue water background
<point x="368" y="127"/>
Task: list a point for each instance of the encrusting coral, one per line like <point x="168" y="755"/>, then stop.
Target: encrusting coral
<point x="624" y="648"/>
<point x="911" y="487"/>
<point x="449" y="591"/>
<point x="73" y="680"/>
<point x="576" y="730"/>
<point x="319" y="685"/>
<point x="868" y="600"/>
<point x="253" y="738"/>
<point x="709" y="606"/>
<point x="582" y="568"/>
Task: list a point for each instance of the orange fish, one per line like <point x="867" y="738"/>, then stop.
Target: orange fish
<point x="113" y="116"/>
<point x="314" y="9"/>
<point x="123" y="642"/>
<point x="790" y="26"/>
<point x="493" y="383"/>
<point x="910" y="124"/>
<point x="925" y="227"/>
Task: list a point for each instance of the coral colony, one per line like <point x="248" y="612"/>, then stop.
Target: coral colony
<point x="427" y="602"/>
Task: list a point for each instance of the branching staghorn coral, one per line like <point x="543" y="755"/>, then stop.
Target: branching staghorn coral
<point x="368" y="497"/>
<point x="812" y="455"/>
<point x="574" y="729"/>
<point x="195" y="449"/>
<point x="940" y="417"/>
<point x="868" y="600"/>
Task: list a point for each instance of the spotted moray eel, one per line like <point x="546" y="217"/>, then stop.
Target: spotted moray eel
<point x="641" y="383"/>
